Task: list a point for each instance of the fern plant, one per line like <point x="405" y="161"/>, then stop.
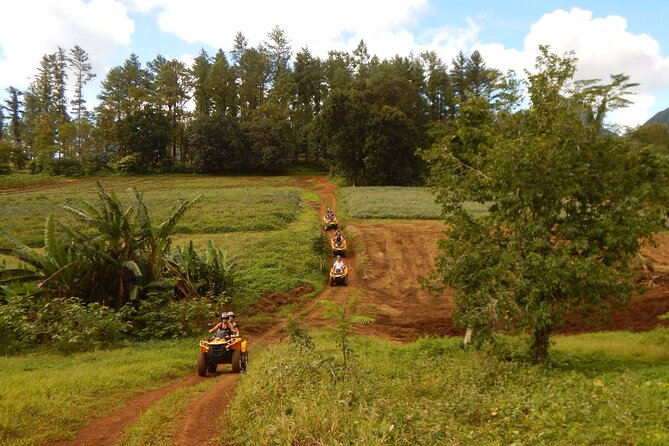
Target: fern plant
<point x="345" y="317"/>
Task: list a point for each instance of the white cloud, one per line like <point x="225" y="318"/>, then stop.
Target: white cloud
<point x="603" y="46"/>
<point x="637" y="113"/>
<point x="98" y="26"/>
<point x="317" y="24"/>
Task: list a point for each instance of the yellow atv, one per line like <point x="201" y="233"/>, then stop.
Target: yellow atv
<point x="338" y="248"/>
<point x="223" y="349"/>
<point x="338" y="276"/>
<point x="330" y="222"/>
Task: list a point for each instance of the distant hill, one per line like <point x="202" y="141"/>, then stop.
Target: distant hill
<point x="660" y="118"/>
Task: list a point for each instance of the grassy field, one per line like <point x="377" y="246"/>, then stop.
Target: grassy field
<point x="265" y="223"/>
<point x="601" y="389"/>
<point x="433" y="392"/>
<point x="46" y="396"/>
<point x="415" y="203"/>
<point x="228" y="204"/>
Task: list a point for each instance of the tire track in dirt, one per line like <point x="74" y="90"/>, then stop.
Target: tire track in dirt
<point x="106" y="431"/>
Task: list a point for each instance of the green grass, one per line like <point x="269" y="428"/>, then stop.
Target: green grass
<point x="23" y="180"/>
<point x="228" y="204"/>
<point x="279" y="261"/>
<point x="416" y="203"/>
<point x="433" y="392"/>
<point x="389" y="202"/>
<point x="44" y="396"/>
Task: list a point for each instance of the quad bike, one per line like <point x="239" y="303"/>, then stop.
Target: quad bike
<point x="330" y="222"/>
<point x="338" y="276"/>
<point x="223" y="349"/>
<point x="338" y="248"/>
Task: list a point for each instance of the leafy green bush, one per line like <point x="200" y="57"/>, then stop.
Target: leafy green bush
<point x="5" y="169"/>
<point x="65" y="166"/>
<point x="66" y="324"/>
<point x="160" y="317"/>
<point x="211" y="273"/>
<point x="130" y="164"/>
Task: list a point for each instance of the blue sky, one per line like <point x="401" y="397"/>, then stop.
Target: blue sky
<point x="607" y="36"/>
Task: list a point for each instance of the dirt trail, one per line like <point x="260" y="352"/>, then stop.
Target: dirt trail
<point x="386" y="263"/>
<point x="105" y="431"/>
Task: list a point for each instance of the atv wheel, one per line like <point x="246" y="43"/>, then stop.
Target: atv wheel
<point x="202" y="364"/>
<point x="245" y="361"/>
<point x="212" y="368"/>
<point x="236" y="361"/>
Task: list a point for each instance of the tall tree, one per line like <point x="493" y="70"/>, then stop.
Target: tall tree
<point x="390" y="149"/>
<point x="341" y="130"/>
<point x="221" y="86"/>
<point x="309" y="80"/>
<point x="568" y="205"/>
<point x="172" y="93"/>
<point x="278" y="50"/>
<point x="239" y="47"/>
<point x="253" y="71"/>
<point x="83" y="73"/>
<point x="458" y="76"/>
<point x="201" y="91"/>
<point x="438" y="90"/>
<point x="59" y="76"/>
<point x="338" y="70"/>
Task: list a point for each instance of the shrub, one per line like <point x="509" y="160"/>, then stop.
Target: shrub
<point x="66" y="324"/>
<point x="64" y="166"/>
<point x="159" y="317"/>
<point x="130" y="164"/>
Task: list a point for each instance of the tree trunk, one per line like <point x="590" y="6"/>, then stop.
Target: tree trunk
<point x="468" y="336"/>
<point x="540" y="343"/>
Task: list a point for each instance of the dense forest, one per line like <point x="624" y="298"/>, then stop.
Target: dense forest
<point x="258" y="108"/>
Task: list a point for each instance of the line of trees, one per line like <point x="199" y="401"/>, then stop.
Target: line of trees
<point x="254" y="108"/>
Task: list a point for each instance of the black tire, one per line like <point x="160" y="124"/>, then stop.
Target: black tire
<point x="202" y="364"/>
<point x="236" y="361"/>
<point x="212" y="368"/>
<point x="245" y="361"/>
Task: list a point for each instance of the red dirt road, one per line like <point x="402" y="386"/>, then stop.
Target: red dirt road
<point x="386" y="263"/>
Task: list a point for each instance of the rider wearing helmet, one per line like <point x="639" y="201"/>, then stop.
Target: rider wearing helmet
<point x="232" y="326"/>
<point x="222" y="329"/>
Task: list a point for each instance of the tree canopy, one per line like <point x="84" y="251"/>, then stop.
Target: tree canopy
<point x="160" y="111"/>
<point x="568" y="205"/>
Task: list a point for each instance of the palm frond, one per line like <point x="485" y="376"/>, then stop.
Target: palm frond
<point x="165" y="229"/>
<point x="132" y="267"/>
<point x="21" y="251"/>
<point x="49" y="234"/>
<point x="58" y="274"/>
<point x="18" y="275"/>
<point x="142" y="217"/>
<point x="359" y="319"/>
